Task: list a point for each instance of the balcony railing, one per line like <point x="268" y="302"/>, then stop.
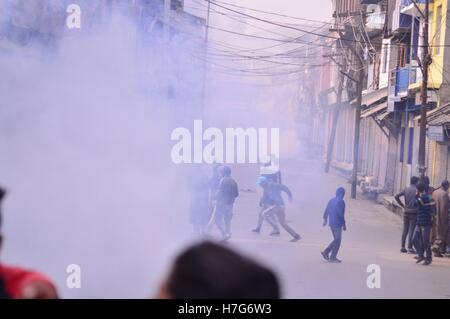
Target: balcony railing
<point x="402" y="78"/>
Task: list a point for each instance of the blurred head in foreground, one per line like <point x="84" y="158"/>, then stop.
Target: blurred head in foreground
<point x="208" y="270"/>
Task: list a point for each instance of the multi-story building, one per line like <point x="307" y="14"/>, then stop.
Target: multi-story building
<point x="405" y="85"/>
<point x="392" y="42"/>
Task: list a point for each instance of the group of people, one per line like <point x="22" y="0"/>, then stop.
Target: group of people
<point x="273" y="211"/>
<point x="212" y="203"/>
<point x="192" y="275"/>
<point x="215" y="206"/>
<point x="426" y="229"/>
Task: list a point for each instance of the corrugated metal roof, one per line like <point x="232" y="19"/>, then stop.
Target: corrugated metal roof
<point x="439" y="116"/>
<point x="372" y="97"/>
<point x="374" y="109"/>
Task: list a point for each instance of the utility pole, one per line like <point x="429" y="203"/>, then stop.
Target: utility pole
<point x="167" y="20"/>
<point x="359" y="56"/>
<point x="359" y="85"/>
<point x="334" y="122"/>
<point x="207" y="21"/>
<point x="426" y="61"/>
<point x="166" y="49"/>
<point x="358" y="53"/>
<point x="203" y="102"/>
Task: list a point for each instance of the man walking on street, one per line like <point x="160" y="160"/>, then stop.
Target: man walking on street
<point x="441" y="198"/>
<point x="264" y="204"/>
<point x="275" y="205"/>
<point x="226" y="195"/>
<point x="335" y="216"/>
<point x="409" y="213"/>
<point x="421" y="237"/>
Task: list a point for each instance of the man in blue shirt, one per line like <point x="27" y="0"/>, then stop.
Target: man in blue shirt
<point x="334" y="216"/>
<point x="263" y="212"/>
<point x="274" y="205"/>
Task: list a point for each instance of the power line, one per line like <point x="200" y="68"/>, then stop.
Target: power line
<point x="353" y="40"/>
<point x="271" y="13"/>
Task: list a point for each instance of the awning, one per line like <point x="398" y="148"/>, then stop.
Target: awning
<point x="437" y="116"/>
<point x="372" y="97"/>
<point x="440" y="117"/>
<point x="374" y="109"/>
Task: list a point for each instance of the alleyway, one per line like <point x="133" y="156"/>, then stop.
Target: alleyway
<point x="372" y="238"/>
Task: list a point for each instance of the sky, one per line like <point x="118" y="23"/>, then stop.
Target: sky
<point x="317" y="10"/>
<point x="235" y="20"/>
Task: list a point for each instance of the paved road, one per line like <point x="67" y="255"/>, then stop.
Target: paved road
<point x="372" y="238"/>
<point x="120" y="236"/>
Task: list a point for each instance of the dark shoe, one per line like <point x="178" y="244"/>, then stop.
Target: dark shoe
<point x="411" y="251"/>
<point x="325" y="256"/>
<point x="438" y="254"/>
<point x="296" y="238"/>
<point x="427" y="263"/>
<point x="256" y="230"/>
<point x="416" y="257"/>
<point x="334" y="260"/>
<point x="403" y="250"/>
<point x="274" y="233"/>
<point x="420" y="259"/>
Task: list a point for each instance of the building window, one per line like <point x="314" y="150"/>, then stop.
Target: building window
<point x="402" y="56"/>
<point x="437" y="35"/>
<point x="415" y="38"/>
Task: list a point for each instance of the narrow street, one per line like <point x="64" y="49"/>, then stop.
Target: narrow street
<point x="372" y="237"/>
<point x="121" y="122"/>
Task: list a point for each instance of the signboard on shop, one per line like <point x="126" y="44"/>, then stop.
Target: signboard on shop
<point x="436" y="133"/>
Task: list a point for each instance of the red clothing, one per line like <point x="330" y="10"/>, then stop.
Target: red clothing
<point x="16" y="279"/>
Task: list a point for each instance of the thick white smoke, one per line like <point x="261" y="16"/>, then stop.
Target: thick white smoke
<point x="85" y="151"/>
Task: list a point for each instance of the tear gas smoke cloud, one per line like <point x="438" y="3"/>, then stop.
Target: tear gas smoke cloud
<point x="85" y="148"/>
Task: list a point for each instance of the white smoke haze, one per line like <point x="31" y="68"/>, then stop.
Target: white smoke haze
<point x="85" y="152"/>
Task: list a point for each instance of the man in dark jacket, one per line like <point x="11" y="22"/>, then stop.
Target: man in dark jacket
<point x="421" y="237"/>
<point x="335" y="216"/>
<point x="263" y="214"/>
<point x="409" y="213"/>
<point x="274" y="206"/>
<point x="225" y="196"/>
